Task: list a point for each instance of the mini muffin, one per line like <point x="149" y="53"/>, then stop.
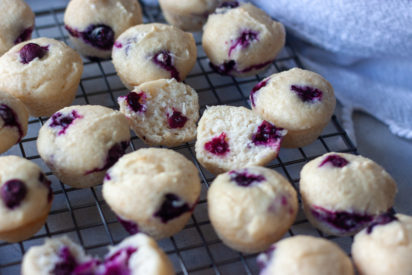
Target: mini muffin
<point x="385" y="246"/>
<point x="162" y="112"/>
<point x="43" y="73"/>
<point x="241" y="40"/>
<point x="25" y="198"/>
<point x="153" y="51"/>
<point x="188" y="15"/>
<point x="16" y="23"/>
<point x="13" y="121"/>
<point x="94" y="25"/>
<point x="252" y="207"/>
<point x="138" y="255"/>
<point x="234" y="137"/>
<point x="79" y="143"/>
<point x="298" y="100"/>
<point x="305" y="255"/>
<point x="342" y="193"/>
<point x="153" y="191"/>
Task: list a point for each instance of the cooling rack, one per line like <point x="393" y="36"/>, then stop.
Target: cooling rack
<point x="83" y="215"/>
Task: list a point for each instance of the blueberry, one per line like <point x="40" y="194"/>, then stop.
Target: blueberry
<point x="244" y="178"/>
<point x="100" y="36"/>
<point x="66" y="264"/>
<point x="244" y="40"/>
<point x="10" y="119"/>
<point x="31" y="51"/>
<point x="218" y="145"/>
<point x="268" y="134"/>
<point x="115" y="152"/>
<point x="136" y="101"/>
<point x="307" y="93"/>
<point x="224" y="68"/>
<point x="229" y="4"/>
<point x="24" y="36"/>
<point x="13" y="192"/>
<point x="382" y="219"/>
<point x="43" y="179"/>
<point x="255" y="89"/>
<point x="172" y="207"/>
<point x="131" y="227"/>
<point x="335" y="160"/>
<point x="165" y="61"/>
<point x="63" y="121"/>
<point x="87" y="268"/>
<point x="118" y="263"/>
<point x="264" y="258"/>
<point x="176" y="120"/>
<point x="342" y="220"/>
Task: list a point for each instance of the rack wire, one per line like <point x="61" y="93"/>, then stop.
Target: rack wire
<point x="83" y="215"/>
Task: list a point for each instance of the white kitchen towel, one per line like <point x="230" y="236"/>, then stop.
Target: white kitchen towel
<point x="363" y="47"/>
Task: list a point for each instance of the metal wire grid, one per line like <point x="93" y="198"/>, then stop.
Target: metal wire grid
<point x="83" y="215"/>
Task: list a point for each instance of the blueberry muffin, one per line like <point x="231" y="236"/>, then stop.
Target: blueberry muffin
<point x="25" y="198"/>
<point x="79" y="143"/>
<point x="251" y="208"/>
<point x="342" y="193"/>
<point x="94" y="25"/>
<point x="298" y="100"/>
<point x="138" y="255"/>
<point x="153" y="51"/>
<point x="233" y="137"/>
<point x="16" y="23"/>
<point x="188" y="15"/>
<point x="305" y="255"/>
<point x="385" y="246"/>
<point x="43" y="73"/>
<point x="162" y="112"/>
<point x="241" y="40"/>
<point x="13" y="121"/>
<point x="153" y="191"/>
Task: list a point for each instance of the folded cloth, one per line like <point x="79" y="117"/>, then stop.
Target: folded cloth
<point x="364" y="48"/>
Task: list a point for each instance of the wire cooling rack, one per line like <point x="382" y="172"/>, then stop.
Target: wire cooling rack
<point x="83" y="215"/>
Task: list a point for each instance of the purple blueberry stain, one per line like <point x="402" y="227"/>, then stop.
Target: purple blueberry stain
<point x="131" y="227"/>
<point x="31" y="51"/>
<point x="255" y="89"/>
<point x="118" y="263"/>
<point x="13" y="192"/>
<point x="218" y="145"/>
<point x="307" y="93"/>
<point x="245" y="179"/>
<point x="118" y="45"/>
<point x="24" y="35"/>
<point x="284" y="200"/>
<point x="107" y="177"/>
<point x="63" y="121"/>
<point x="268" y="134"/>
<point x="10" y="119"/>
<point x="244" y="40"/>
<point x="382" y="219"/>
<point x="136" y="101"/>
<point x="172" y="207"/>
<point x="230" y="66"/>
<point x="335" y="160"/>
<point x="264" y="258"/>
<point x="176" y="120"/>
<point x="115" y="152"/>
<point x="164" y="60"/>
<point x="43" y="179"/>
<point x="66" y="264"/>
<point x="87" y="268"/>
<point x="100" y="36"/>
<point x="341" y="220"/>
